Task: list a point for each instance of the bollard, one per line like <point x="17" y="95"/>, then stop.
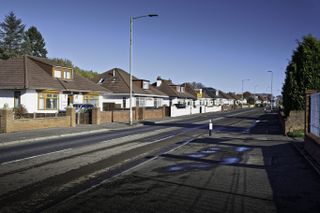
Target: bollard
<point x="210" y="127"/>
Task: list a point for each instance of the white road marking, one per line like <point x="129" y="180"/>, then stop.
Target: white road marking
<point x="162" y="139"/>
<point x="35" y="156"/>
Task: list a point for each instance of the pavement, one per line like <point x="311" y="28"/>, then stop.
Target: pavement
<point x="230" y="171"/>
<point x="52" y="133"/>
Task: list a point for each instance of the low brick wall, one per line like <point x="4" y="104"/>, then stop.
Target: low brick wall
<point x="9" y="124"/>
<point x="105" y="117"/>
<point x="227" y="107"/>
<point x="122" y="116"/>
<point x="38" y="123"/>
<point x="151" y="114"/>
<point x="312" y="146"/>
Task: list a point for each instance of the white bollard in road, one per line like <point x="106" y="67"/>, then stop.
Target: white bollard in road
<point x="210" y="127"/>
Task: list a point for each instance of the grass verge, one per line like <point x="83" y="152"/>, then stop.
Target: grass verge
<point x="296" y="134"/>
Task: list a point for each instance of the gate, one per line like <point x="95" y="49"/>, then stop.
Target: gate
<point x="168" y="111"/>
<point x="84" y="117"/>
<point x="140" y="114"/>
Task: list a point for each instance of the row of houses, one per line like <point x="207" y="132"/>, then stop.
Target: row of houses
<point x="43" y="86"/>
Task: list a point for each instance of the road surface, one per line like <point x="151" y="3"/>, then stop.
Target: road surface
<point x="245" y="166"/>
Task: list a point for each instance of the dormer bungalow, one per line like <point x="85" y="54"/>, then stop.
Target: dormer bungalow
<point x="216" y="95"/>
<point x="118" y="82"/>
<point x="43" y="86"/>
<point x="177" y="92"/>
<point x="180" y="101"/>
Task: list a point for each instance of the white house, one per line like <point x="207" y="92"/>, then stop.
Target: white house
<point x="43" y="86"/>
<point x="181" y="102"/>
<point x="118" y="82"/>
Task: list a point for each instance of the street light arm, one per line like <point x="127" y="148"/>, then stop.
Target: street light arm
<point x="149" y="15"/>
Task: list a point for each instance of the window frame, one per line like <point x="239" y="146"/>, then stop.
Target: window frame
<point x="87" y="98"/>
<point x="63" y="71"/>
<point x="45" y="96"/>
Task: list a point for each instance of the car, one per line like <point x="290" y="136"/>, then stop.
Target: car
<point x="80" y="108"/>
<point x="268" y="109"/>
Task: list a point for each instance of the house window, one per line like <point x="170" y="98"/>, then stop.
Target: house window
<point x="145" y="85"/>
<point x="157" y="102"/>
<point x="48" y="101"/>
<point x="91" y="99"/>
<point x="57" y="74"/>
<point x="141" y="101"/>
<point x="182" y="89"/>
<point x="67" y="74"/>
<point x="63" y="73"/>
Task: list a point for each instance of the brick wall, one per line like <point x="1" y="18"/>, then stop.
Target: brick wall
<point x="312" y="142"/>
<point x="9" y="124"/>
<point x="38" y="123"/>
<point x="312" y="146"/>
<point x="105" y="117"/>
<point x="122" y="115"/>
<point x="150" y="114"/>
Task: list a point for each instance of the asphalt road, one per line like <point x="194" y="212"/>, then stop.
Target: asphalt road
<point x="24" y="151"/>
<point x="167" y="167"/>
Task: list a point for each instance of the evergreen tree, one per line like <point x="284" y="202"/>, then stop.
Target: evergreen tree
<point x="302" y="73"/>
<point x="34" y="43"/>
<point x="11" y="37"/>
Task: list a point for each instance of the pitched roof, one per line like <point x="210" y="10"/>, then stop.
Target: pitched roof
<point x="211" y="92"/>
<point x="192" y="90"/>
<point x="31" y="72"/>
<point x="118" y="81"/>
<point x="235" y="96"/>
<point x="169" y="88"/>
<point x="225" y="95"/>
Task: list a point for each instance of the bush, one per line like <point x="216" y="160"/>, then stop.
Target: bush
<point x="20" y="111"/>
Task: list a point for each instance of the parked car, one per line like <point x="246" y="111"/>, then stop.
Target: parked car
<point x="81" y="107"/>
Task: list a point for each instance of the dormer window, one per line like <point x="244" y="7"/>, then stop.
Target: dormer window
<point x="62" y="72"/>
<point x="180" y="89"/>
<point x="67" y="74"/>
<point x="57" y="73"/>
<point x="145" y="85"/>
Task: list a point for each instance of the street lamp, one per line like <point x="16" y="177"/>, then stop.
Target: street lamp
<point x="271" y="88"/>
<point x="130" y="60"/>
<point x="243" y="80"/>
<point x="254" y="94"/>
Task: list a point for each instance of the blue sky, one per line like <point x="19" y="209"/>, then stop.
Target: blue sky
<point x="215" y="42"/>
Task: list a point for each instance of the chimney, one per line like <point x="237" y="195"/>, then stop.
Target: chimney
<point x="217" y="92"/>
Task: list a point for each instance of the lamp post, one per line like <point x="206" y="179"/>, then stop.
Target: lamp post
<point x="130" y="60"/>
<point x="243" y="80"/>
<point x="271" y="89"/>
<point x="254" y="94"/>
